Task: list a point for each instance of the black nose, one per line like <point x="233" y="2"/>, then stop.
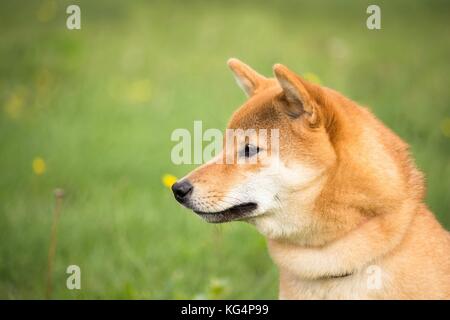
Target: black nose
<point x="181" y="190"/>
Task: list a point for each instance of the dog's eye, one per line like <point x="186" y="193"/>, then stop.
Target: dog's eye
<point x="249" y="151"/>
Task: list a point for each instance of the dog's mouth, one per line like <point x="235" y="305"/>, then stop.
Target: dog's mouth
<point x="238" y="212"/>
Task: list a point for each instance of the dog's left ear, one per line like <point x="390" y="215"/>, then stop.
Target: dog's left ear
<point x="299" y="95"/>
<point x="248" y="79"/>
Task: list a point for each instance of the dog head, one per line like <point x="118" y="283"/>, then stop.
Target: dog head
<point x="269" y="179"/>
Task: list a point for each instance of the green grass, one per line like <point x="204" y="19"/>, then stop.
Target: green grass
<point x="99" y="105"/>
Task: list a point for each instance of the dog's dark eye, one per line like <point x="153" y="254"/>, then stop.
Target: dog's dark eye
<point x="249" y="151"/>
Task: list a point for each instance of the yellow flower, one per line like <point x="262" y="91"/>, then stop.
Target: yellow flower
<point x="139" y="91"/>
<point x="218" y="288"/>
<point x="39" y="166"/>
<point x="445" y="127"/>
<point x="311" y="77"/>
<point x="14" y="106"/>
<point x="168" y="180"/>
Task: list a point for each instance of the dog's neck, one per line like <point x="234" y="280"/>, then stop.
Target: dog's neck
<point x="347" y="254"/>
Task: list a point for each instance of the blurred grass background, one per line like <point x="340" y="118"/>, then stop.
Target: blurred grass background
<point x="91" y="111"/>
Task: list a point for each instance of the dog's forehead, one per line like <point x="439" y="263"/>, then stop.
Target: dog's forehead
<point x="258" y="112"/>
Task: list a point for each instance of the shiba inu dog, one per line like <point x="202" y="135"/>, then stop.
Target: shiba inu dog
<point x="341" y="203"/>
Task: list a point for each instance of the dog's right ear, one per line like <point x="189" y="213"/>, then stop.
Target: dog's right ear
<point x="248" y="79"/>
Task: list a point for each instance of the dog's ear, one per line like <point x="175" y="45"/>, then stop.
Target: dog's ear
<point x="299" y="95"/>
<point x="248" y="79"/>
